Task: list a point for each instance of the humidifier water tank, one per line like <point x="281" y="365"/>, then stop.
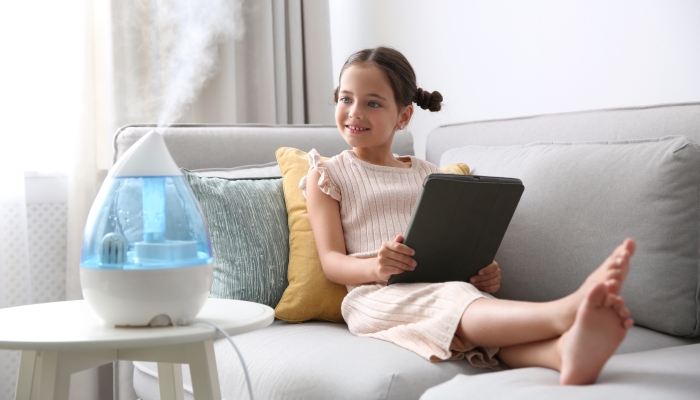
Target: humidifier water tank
<point x="146" y="257"/>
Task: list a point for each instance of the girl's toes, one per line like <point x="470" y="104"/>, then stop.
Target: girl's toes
<point x="611" y="300"/>
<point x="628" y="323"/>
<point x="624" y="312"/>
<point x="615" y="302"/>
<point x="613" y="285"/>
<point x="619" y="305"/>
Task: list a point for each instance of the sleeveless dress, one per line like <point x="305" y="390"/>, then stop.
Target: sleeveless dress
<point x="375" y="205"/>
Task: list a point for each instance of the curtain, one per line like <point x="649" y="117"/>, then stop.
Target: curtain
<point x="40" y="103"/>
<point x="257" y="62"/>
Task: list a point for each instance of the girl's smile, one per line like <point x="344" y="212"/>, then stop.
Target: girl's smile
<point x="356" y="129"/>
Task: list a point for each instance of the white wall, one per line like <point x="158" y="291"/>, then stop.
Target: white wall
<point x="505" y="58"/>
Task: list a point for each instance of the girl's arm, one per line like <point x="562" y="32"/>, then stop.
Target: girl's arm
<point x="324" y="215"/>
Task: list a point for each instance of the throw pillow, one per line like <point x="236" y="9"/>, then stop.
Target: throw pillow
<point x="581" y="200"/>
<point x="247" y="221"/>
<point x="457" y="169"/>
<point x="310" y="295"/>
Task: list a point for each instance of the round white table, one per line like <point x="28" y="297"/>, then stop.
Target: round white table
<point x="59" y="339"/>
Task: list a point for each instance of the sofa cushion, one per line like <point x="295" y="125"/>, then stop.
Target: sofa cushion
<point x="321" y="360"/>
<point x="670" y="373"/>
<point x="316" y="360"/>
<point x="247" y="222"/>
<point x="581" y="200"/>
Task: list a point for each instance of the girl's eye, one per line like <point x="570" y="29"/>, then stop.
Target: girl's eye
<point x="374" y="104"/>
<point x="344" y="100"/>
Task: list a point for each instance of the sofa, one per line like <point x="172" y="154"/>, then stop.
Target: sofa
<point x="591" y="179"/>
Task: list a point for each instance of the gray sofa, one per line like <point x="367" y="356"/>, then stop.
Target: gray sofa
<point x="637" y="174"/>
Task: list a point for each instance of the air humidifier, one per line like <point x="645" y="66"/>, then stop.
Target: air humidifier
<point x="146" y="255"/>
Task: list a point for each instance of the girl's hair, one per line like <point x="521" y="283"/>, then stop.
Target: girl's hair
<point x="400" y="74"/>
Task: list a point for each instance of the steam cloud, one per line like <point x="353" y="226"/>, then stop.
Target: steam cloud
<point x="197" y="27"/>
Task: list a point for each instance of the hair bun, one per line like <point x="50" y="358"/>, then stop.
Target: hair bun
<point x="428" y="101"/>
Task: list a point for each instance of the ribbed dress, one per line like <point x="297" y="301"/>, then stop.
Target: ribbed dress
<point x="375" y="205"/>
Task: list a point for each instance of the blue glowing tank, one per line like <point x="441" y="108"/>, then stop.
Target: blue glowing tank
<point x="146" y="256"/>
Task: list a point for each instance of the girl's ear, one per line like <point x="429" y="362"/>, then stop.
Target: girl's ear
<point x="405" y="117"/>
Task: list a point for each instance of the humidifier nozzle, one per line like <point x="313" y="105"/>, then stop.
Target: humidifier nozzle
<point x="147" y="157"/>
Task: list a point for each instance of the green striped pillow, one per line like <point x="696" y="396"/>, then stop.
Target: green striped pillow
<point x="247" y="221"/>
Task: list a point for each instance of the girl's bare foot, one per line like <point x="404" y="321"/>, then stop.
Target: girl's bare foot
<point x="611" y="272"/>
<point x="601" y="324"/>
<point x="614" y="268"/>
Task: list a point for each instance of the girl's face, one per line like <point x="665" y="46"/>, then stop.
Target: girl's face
<point x="367" y="114"/>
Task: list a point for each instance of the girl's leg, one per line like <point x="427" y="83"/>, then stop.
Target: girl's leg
<point x="544" y="353"/>
<point x="501" y="323"/>
<point x="600" y="325"/>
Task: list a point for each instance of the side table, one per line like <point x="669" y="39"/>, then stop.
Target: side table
<point x="59" y="339"/>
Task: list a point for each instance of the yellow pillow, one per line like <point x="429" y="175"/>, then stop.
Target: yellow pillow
<point x="310" y="295"/>
<point x="458" y="169"/>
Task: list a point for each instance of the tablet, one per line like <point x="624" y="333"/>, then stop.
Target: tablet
<point x="457" y="226"/>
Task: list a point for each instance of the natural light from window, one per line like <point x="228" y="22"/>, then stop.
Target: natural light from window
<point x="40" y="82"/>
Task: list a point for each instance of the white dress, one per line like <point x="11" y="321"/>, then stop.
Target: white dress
<point x="375" y="205"/>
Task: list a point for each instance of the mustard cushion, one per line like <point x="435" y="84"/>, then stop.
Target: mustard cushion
<point x="458" y="169"/>
<point x="310" y="295"/>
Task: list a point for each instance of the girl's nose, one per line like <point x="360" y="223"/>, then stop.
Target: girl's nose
<point x="356" y="111"/>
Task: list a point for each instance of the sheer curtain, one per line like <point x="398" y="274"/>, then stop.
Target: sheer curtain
<point x="268" y="61"/>
<point x="15" y="288"/>
<point x="40" y="107"/>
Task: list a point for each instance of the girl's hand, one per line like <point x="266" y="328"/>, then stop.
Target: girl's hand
<point x="394" y="258"/>
<point x="489" y="278"/>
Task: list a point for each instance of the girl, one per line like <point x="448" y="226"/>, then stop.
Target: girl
<point x="359" y="203"/>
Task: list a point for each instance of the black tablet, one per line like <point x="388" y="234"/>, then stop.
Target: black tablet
<point x="457" y="225"/>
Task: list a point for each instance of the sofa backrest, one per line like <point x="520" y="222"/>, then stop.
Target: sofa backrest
<point x="227" y="146"/>
<point x="608" y="124"/>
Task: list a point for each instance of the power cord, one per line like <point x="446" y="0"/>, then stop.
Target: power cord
<point x="240" y="356"/>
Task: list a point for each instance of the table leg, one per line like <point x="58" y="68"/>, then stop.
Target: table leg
<point x="27" y="378"/>
<point x="51" y="372"/>
<point x="200" y="356"/>
<point x="205" y="376"/>
<point x="54" y="382"/>
<point x="170" y="381"/>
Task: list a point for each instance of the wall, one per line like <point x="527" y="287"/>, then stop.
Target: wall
<point x="506" y="58"/>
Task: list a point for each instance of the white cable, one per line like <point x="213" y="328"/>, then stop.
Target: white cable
<point x="240" y="356"/>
